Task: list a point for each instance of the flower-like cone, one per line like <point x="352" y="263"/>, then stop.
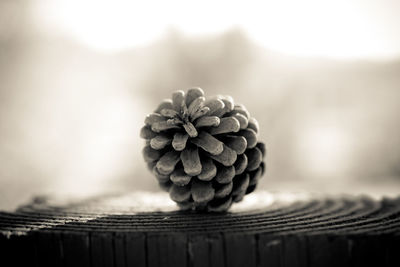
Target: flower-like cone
<point x="204" y="152"/>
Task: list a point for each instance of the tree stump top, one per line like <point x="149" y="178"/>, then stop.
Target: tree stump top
<point x="147" y="227"/>
<point x="263" y="212"/>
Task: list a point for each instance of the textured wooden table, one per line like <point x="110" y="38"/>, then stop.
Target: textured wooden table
<point x="144" y="229"/>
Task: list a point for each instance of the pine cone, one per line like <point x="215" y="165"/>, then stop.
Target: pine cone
<point x="204" y="152"/>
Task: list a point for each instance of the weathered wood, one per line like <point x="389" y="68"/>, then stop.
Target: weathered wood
<point x="49" y="249"/>
<point x="118" y="231"/>
<point x="240" y="250"/>
<point x="135" y="249"/>
<point x="102" y="248"/>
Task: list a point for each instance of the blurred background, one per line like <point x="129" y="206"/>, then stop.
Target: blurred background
<point x="78" y="77"/>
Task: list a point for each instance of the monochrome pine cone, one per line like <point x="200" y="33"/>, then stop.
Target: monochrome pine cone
<point x="204" y="152"/>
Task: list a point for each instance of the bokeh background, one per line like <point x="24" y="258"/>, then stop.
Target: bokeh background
<point x="78" y="77"/>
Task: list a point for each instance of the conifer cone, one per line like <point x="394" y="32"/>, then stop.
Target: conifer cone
<point x="204" y="152"/>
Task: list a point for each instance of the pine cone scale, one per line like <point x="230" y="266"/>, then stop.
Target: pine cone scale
<point x="208" y="171"/>
<point x="167" y="162"/>
<point x="225" y="174"/>
<point x="227" y="157"/>
<point x="226" y="125"/>
<point x="224" y="190"/>
<point x="208" y="143"/>
<point x="179" y="141"/>
<point x="191" y="161"/>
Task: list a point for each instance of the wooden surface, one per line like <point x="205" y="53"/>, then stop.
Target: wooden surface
<point x="147" y="230"/>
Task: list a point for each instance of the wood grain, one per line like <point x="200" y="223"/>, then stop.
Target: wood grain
<point x="106" y="231"/>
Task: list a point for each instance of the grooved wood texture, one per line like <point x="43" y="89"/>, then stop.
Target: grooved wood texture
<point x="336" y="231"/>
